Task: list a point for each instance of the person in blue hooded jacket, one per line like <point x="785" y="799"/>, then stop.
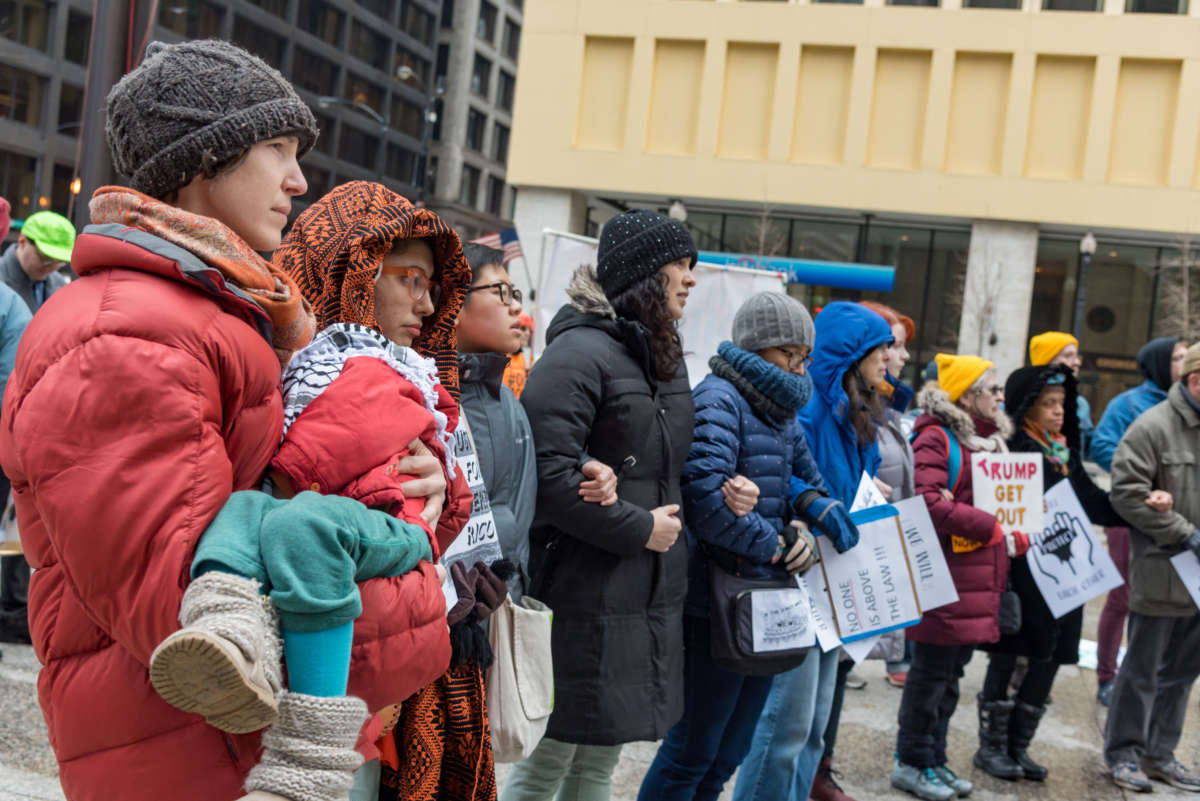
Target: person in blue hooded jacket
<point x="1160" y="362"/>
<point x="840" y="424"/>
<point x="746" y="430"/>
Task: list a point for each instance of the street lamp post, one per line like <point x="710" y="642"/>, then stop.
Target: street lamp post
<point x="1087" y="249"/>
<point x="328" y="101"/>
<point x="428" y="118"/>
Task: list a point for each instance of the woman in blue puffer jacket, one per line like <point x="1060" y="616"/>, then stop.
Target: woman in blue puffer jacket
<point x="746" y="429"/>
<point x="840" y="423"/>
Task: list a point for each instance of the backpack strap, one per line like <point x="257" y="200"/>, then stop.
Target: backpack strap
<point x="954" y="462"/>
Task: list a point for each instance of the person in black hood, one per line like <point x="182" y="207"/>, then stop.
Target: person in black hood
<point x="611" y="386"/>
<point x="1037" y="399"/>
<point x="1159" y="361"/>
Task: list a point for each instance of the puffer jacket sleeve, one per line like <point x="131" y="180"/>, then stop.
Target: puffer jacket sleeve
<point x="1114" y="423"/>
<point x="711" y="461"/>
<point x="931" y="475"/>
<point x="117" y="488"/>
<point x="561" y="398"/>
<point x="805" y="473"/>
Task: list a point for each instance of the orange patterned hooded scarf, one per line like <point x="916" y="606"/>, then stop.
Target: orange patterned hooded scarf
<point x="337" y="244"/>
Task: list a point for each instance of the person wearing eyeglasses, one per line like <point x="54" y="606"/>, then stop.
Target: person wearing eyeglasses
<point x="31" y="267"/>
<point x="961" y="418"/>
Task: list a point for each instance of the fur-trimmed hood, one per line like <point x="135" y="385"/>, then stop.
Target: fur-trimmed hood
<point x="975" y="433"/>
<point x="586" y="294"/>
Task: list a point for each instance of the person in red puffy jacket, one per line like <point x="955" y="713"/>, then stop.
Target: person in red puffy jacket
<point x="146" y="393"/>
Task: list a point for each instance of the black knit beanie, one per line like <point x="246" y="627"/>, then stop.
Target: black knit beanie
<point x="635" y="244"/>
<point x="194" y="104"/>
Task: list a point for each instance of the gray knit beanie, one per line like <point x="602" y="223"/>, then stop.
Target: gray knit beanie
<point x="194" y="105"/>
<point x="771" y="319"/>
<point x="636" y="244"/>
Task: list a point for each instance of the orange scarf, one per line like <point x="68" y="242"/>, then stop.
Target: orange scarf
<point x="214" y="243"/>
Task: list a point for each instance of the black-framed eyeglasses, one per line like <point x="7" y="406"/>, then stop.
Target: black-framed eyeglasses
<point x="508" y="292"/>
<point x="795" y="359"/>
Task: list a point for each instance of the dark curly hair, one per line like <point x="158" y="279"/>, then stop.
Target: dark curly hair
<point x="646" y="303"/>
<point x="867" y="406"/>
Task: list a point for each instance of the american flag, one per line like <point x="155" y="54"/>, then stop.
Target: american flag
<point x="505" y="240"/>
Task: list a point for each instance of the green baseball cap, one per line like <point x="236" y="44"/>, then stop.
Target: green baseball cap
<point x="52" y="233"/>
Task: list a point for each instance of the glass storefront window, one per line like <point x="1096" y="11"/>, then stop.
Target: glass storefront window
<point x="755" y="234"/>
<point x="706" y="229"/>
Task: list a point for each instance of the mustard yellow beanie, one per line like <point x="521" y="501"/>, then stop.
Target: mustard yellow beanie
<point x="956" y="374"/>
<point x="1044" y="347"/>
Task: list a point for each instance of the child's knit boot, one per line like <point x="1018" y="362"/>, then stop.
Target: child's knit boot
<point x="308" y="755"/>
<point x="224" y="663"/>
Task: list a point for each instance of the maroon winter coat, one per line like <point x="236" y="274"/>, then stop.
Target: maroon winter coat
<point x="979" y="575"/>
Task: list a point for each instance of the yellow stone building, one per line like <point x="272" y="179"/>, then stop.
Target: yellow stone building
<point x="968" y="147"/>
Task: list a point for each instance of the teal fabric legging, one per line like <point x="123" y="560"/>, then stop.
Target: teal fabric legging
<point x="576" y="772"/>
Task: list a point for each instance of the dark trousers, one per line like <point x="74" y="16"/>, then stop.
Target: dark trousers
<point x="1150" y="697"/>
<point x="14" y="584"/>
<point x="708" y="744"/>
<point x="1116" y="608"/>
<point x="929" y="700"/>
<point x="835" y="711"/>
<point x="1035" y="687"/>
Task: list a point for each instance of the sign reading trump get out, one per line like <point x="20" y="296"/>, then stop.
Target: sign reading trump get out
<point x="1009" y="485"/>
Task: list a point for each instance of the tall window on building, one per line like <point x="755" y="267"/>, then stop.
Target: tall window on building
<point x="419" y="66"/>
<point x="326" y="125"/>
<point x="506" y="88"/>
<point x="193" y="19"/>
<point x="481" y="75"/>
<point x="321" y="20"/>
<point x="360" y="90"/>
<point x="21" y="95"/>
<point x="417" y="22"/>
<point x="276" y="7"/>
<point x="258" y="40"/>
<point x="380" y="8"/>
<point x="400" y="163"/>
<point x="476" y="122"/>
<point x="78" y="39"/>
<point x="60" y="188"/>
<point x="406" y="117"/>
<point x="447" y="13"/>
<point x="1156" y="6"/>
<point x="314" y="73"/>
<point x="368" y="45"/>
<point x="495" y="194"/>
<point x="500" y="136"/>
<point x="1072" y="5"/>
<point x="468" y="188"/>
<point x="70" y="110"/>
<point x="512" y="38"/>
<point x="358" y="147"/>
<point x="485" y="27"/>
<point x="26" y="22"/>
<point x="18" y="175"/>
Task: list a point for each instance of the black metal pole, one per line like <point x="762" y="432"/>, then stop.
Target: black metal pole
<point x="106" y="65"/>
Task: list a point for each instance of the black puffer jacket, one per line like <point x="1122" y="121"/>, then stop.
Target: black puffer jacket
<point x="617" y="637"/>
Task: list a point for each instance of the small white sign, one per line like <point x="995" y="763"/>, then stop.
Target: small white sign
<point x="780" y="620"/>
<point x="478" y="541"/>
<point x="926" y="559"/>
<point x="867" y="494"/>
<point x="1009" y="486"/>
<point x="1188" y="567"/>
<point x="812" y="584"/>
<point x="1068" y="563"/>
<point x="859" y="649"/>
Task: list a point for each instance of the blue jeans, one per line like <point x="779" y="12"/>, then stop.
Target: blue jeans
<point x="790" y="737"/>
<point x="720" y="711"/>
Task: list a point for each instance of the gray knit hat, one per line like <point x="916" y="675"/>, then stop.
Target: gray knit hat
<point x="636" y="244"/>
<point x="194" y="105"/>
<point x="771" y="319"/>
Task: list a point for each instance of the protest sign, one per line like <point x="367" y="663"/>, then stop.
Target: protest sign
<point x="870" y="587"/>
<point x="1068" y="563"/>
<point x="1188" y="567"/>
<point x="479" y="540"/>
<point x="867" y="494"/>
<point x="780" y="620"/>
<point x="1009" y="486"/>
<point x="812" y="584"/>
<point x="926" y="560"/>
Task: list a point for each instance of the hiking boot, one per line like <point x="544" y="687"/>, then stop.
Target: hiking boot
<point x="825" y="786"/>
<point x="308" y="754"/>
<point x="224" y="663"/>
<point x="949" y="778"/>
<point x="1104" y="693"/>
<point x="921" y="782"/>
<point x="1021" y="728"/>
<point x="1173" y="773"/>
<point x="992" y="756"/>
<point x="1129" y="776"/>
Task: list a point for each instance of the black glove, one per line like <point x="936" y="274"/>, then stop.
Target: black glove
<point x="1193" y="543"/>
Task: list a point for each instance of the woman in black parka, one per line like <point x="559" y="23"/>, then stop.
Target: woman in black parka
<point x="611" y="386"/>
<point x="1041" y="401"/>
